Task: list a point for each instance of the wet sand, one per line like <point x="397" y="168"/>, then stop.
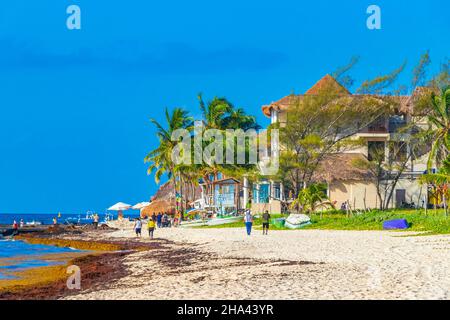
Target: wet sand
<point x="101" y="264"/>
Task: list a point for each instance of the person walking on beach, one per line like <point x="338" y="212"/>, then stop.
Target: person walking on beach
<point x="95" y="223"/>
<point x="265" y="222"/>
<point x="138" y="227"/>
<point x="151" y="227"/>
<point x="158" y="219"/>
<point x="248" y="219"/>
<point x="22" y="223"/>
<point x="165" y="220"/>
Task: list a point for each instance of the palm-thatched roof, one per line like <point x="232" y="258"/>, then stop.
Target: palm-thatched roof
<point x="164" y="199"/>
<point x="341" y="167"/>
<point x="326" y="84"/>
<point x="329" y="84"/>
<point x="159" y="206"/>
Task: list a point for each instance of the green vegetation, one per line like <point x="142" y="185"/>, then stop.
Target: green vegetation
<point x="257" y="222"/>
<point x="218" y="115"/>
<point x="312" y="198"/>
<point x="434" y="222"/>
<point x="320" y="124"/>
<point x="439" y="119"/>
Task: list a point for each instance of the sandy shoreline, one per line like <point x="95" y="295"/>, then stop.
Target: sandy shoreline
<point x="306" y="264"/>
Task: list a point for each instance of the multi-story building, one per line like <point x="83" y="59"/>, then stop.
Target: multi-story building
<point x="345" y="181"/>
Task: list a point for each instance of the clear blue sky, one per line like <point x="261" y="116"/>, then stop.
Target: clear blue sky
<point x="74" y="105"/>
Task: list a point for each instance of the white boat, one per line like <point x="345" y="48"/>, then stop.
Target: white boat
<point x="224" y="220"/>
<point x="297" y="221"/>
<point x="192" y="223"/>
<point x="33" y="223"/>
<point x="210" y="222"/>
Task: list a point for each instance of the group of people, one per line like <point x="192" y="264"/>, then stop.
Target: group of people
<point x="163" y="220"/>
<point x="160" y="220"/>
<point x="17" y="225"/>
<point x="248" y="219"/>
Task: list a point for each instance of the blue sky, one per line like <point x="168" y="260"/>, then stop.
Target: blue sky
<point x="75" y="104"/>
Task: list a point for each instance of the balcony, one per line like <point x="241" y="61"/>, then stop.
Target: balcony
<point x="374" y="131"/>
<point x="379" y="128"/>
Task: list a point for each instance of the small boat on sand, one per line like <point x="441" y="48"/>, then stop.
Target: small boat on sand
<point x="210" y="222"/>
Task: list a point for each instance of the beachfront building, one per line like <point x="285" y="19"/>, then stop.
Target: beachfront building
<point x="347" y="183"/>
<point x="221" y="195"/>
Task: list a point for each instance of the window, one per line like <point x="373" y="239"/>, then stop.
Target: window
<point x="261" y="193"/>
<point x="378" y="125"/>
<point x="264" y="193"/>
<point x="276" y="191"/>
<point x="376" y="150"/>
<point x="396" y="122"/>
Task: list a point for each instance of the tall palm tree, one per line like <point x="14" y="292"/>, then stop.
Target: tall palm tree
<point x="440" y="122"/>
<point x="220" y="114"/>
<point x="440" y="181"/>
<point x="160" y="158"/>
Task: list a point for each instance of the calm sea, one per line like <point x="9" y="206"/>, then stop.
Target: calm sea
<point x="30" y="256"/>
<point x="47" y="219"/>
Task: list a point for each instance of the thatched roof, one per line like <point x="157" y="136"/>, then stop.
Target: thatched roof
<point x="329" y="84"/>
<point x="408" y="104"/>
<point x="165" y="199"/>
<point x="159" y="206"/>
<point x="165" y="192"/>
<point x="326" y="84"/>
<point x="341" y="167"/>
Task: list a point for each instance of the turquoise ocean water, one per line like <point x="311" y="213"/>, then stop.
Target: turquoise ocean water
<point x="30" y="255"/>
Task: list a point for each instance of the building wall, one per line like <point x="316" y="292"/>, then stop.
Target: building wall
<point x="363" y="195"/>
<point x="415" y="192"/>
<point x="360" y="194"/>
<point x="274" y="206"/>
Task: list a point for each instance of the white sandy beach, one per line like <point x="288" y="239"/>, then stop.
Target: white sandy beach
<point x="302" y="264"/>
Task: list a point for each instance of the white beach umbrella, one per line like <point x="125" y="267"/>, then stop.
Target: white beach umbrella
<point x="141" y="205"/>
<point x="120" y="206"/>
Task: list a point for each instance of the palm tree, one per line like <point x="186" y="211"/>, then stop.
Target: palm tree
<point x="311" y="198"/>
<point x="220" y="114"/>
<point x="440" y="182"/>
<point x="440" y="122"/>
<point x="160" y="159"/>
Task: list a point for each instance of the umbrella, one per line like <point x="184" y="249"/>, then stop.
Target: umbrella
<point x="141" y="205"/>
<point x="119" y="206"/>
